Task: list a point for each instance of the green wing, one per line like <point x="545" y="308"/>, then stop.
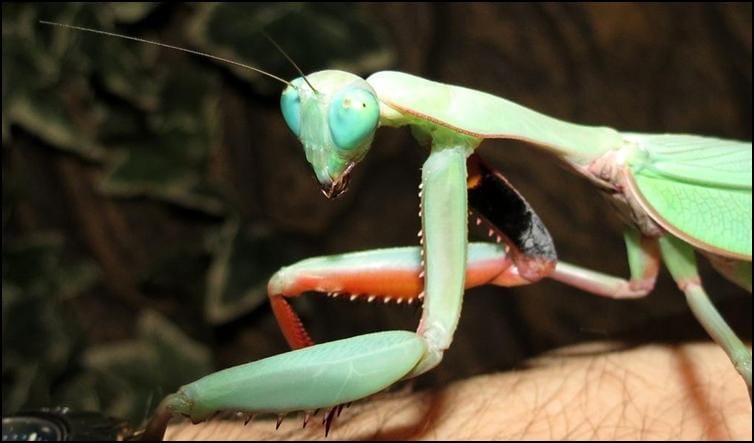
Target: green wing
<point x="698" y="188"/>
<point x="703" y="160"/>
<point x="483" y="115"/>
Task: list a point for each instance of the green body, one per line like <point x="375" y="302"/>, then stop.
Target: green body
<point x="695" y="191"/>
<point x="698" y="188"/>
<point x="408" y="99"/>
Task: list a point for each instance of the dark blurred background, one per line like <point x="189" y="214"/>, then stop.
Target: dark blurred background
<point x="149" y="194"/>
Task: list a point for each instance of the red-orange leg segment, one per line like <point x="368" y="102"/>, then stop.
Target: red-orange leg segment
<point x="385" y="275"/>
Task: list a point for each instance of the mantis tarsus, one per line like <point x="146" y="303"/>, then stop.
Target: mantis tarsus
<point x="681" y="192"/>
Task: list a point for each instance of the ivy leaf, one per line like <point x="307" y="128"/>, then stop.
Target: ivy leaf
<point x="32" y="98"/>
<point x="169" y="161"/>
<point x="47" y="117"/>
<point x="132" y="11"/>
<point x="40" y="334"/>
<point x="131" y="376"/>
<point x="316" y="36"/>
<point x="245" y="259"/>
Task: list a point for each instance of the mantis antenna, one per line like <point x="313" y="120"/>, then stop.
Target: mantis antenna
<point x="290" y="60"/>
<point x="190" y="51"/>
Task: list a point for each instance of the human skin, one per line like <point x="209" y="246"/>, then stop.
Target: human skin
<point x="588" y="392"/>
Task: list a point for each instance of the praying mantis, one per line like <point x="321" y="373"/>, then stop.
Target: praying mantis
<point x="682" y="193"/>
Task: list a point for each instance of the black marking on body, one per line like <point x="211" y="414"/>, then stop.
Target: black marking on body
<point x="494" y="198"/>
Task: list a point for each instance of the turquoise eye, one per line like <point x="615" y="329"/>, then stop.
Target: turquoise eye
<point x="290" y="103"/>
<point x="353" y="117"/>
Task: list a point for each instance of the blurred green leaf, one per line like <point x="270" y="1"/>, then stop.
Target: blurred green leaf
<point x="169" y="162"/>
<point x="39" y="331"/>
<point x="133" y="375"/>
<point x="245" y="259"/>
<point x="31" y="98"/>
<point x="315" y="35"/>
<point x="48" y="118"/>
<point x="129" y="70"/>
<point x="36" y="264"/>
<point x="163" y="128"/>
<point x="132" y="11"/>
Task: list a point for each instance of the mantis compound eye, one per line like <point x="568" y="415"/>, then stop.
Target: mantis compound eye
<point x="290" y="104"/>
<point x="353" y="117"/>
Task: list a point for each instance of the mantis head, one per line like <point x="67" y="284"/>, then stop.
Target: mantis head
<point x="335" y="122"/>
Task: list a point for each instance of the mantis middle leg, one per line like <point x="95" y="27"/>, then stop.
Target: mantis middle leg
<point x="644" y="264"/>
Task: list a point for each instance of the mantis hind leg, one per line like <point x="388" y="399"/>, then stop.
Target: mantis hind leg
<point x="680" y="260"/>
